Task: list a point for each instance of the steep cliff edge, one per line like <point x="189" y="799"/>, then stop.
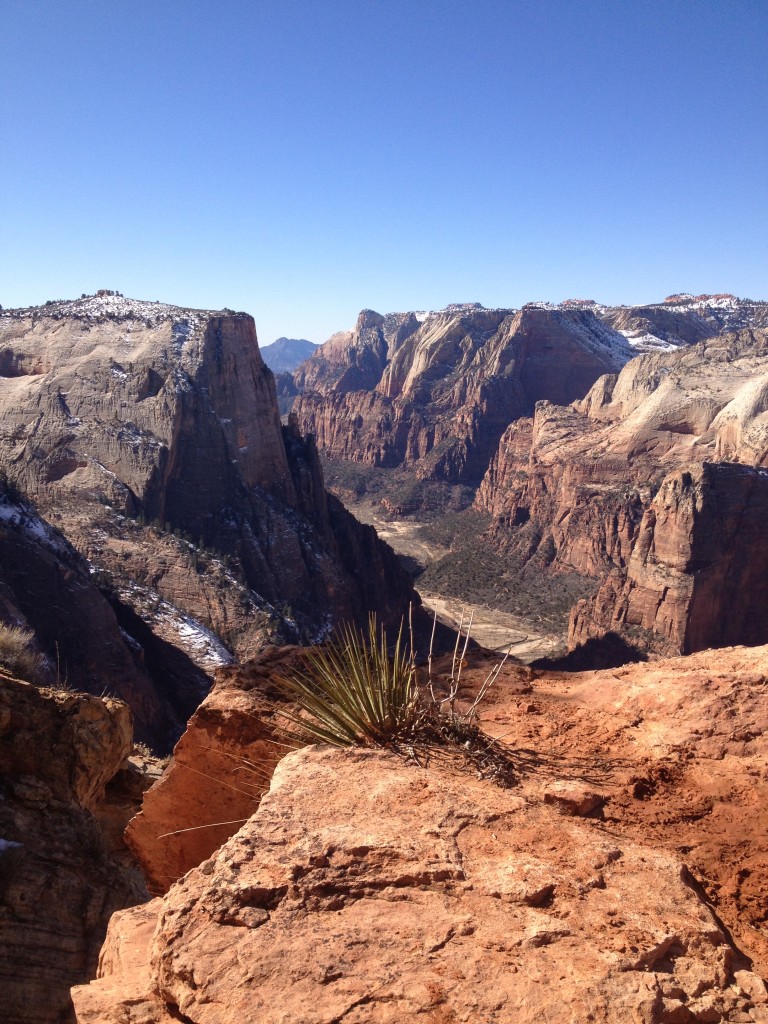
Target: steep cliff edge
<point x="697" y="576"/>
<point x="578" y="483"/>
<point x="221" y="767"/>
<point x="47" y="589"/>
<point x="149" y="435"/>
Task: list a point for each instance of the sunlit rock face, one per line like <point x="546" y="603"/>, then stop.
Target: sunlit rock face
<point x="654" y="482"/>
<point x="149" y="435"/>
<point x="437" y="390"/>
<point x="620" y="878"/>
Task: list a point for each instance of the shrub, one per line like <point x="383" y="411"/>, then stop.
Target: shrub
<point x="353" y="693"/>
<point x="15" y="655"/>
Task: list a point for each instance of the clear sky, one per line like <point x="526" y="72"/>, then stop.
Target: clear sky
<point x="305" y="159"/>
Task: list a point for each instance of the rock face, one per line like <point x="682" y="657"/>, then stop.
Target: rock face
<point x="220" y="769"/>
<point x="58" y="884"/>
<point x="150" y="436"/>
<point x="366" y="888"/>
<point x="614" y="485"/>
<point x="684" y="319"/>
<point x="698" y="572"/>
<point x="436" y="391"/>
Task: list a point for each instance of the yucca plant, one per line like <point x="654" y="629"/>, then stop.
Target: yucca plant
<point x="353" y="692"/>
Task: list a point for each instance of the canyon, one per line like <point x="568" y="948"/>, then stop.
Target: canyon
<point x="436" y="390"/>
<point x="171" y="545"/>
<point x="438" y="394"/>
<point x="559" y="425"/>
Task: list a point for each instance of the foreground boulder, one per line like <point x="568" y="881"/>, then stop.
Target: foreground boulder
<point x="220" y="769"/>
<point x="622" y="879"/>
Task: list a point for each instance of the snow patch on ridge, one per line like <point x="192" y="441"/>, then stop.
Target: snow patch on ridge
<point x="645" y="342"/>
<point x="114" y="306"/>
<point x="597" y="337"/>
<point x="21" y="518"/>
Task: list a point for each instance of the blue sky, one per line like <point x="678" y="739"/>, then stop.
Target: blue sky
<point x="304" y="159"/>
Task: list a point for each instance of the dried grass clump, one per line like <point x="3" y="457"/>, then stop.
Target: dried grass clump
<point x="16" y="657"/>
<point x="354" y="693"/>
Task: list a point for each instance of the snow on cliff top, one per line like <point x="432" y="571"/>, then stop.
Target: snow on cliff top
<point x="109" y="305"/>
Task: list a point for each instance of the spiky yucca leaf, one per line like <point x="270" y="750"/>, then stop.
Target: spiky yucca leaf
<point x="352" y="692"/>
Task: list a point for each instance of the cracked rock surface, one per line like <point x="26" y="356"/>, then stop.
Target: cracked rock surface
<point x="369" y="889"/>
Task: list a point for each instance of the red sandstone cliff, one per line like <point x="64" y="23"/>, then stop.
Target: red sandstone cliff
<point x="438" y="394"/>
<point x="697" y="576"/>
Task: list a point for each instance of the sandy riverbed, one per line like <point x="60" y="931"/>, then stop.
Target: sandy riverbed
<point x="493" y="629"/>
<point x="498" y="631"/>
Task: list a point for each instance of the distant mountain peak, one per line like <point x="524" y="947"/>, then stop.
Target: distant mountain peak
<point x="285" y="354"/>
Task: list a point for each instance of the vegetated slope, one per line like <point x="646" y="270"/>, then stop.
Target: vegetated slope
<point x="286" y="354"/>
<point x="622" y="876"/>
<point x="150" y="436"/>
<point x="586" y="484"/>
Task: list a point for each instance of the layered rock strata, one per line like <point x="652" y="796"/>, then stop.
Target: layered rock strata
<point x="684" y="319"/>
<point x="58" y="882"/>
<point x="436" y="392"/>
<point x="150" y="436"/>
<point x="698" y="572"/>
<point x="579" y="485"/>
